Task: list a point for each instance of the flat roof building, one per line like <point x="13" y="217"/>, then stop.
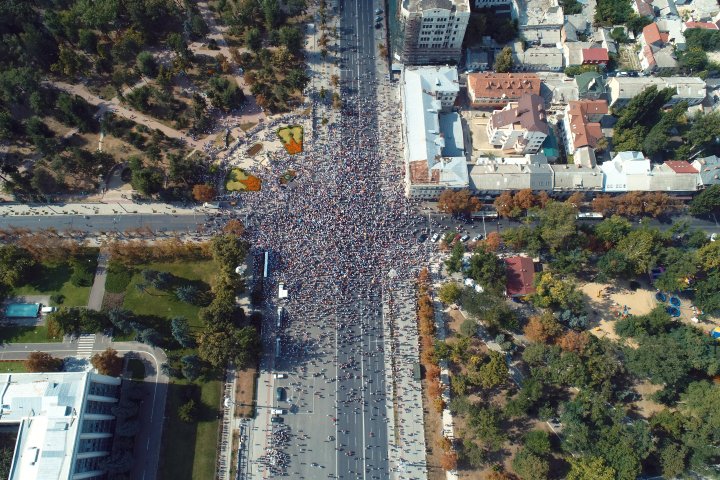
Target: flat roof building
<point x="689" y="89"/>
<point x="432" y="31"/>
<point x="65" y="420"/>
<point x="432" y="134"/>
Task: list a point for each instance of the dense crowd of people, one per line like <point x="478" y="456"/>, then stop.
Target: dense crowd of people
<point x="334" y="234"/>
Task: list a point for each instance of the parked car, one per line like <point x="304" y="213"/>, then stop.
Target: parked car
<point x="435" y="237"/>
<point x="465" y="238"/>
<point x="280" y="375"/>
<point x="277" y="420"/>
<point x="277" y="411"/>
<point x="279" y="394"/>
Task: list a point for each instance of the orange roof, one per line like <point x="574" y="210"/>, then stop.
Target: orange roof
<point x="679" y="166"/>
<point x="705" y="25"/>
<point x="651" y="33"/>
<point x="584" y="132"/>
<point x="520" y="276"/>
<point x="595" y="55"/>
<point x="500" y="85"/>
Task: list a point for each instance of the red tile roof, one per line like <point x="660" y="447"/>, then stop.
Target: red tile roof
<point x="584" y="132"/>
<point x="651" y="33"/>
<point x="678" y="166"/>
<point x="705" y="25"/>
<point x="595" y="55"/>
<point x="520" y="276"/>
<point x="503" y="85"/>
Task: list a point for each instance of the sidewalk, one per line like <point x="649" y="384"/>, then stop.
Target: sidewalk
<point x="89" y="209"/>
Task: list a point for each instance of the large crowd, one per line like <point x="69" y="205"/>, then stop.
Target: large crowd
<point x="334" y="234"/>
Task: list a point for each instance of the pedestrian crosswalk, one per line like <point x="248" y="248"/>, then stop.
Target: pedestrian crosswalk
<point x="86" y="342"/>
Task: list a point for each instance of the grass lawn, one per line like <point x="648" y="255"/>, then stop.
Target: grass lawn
<point x="118" y="278"/>
<point x="12" y="366"/>
<point x="164" y="304"/>
<point x="22" y="334"/>
<point x="55" y="279"/>
<point x="189" y="449"/>
<point x="136" y="369"/>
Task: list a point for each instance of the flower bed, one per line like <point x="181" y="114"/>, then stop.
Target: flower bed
<point x="291" y="138"/>
<point x="238" y="180"/>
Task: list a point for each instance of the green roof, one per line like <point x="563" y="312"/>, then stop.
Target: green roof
<point x="585" y="83"/>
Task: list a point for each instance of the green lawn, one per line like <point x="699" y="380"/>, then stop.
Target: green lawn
<point x="118" y="278"/>
<point x="21" y="334"/>
<point x="12" y="366"/>
<point x="55" y="279"/>
<point x="189" y="450"/>
<point x="163" y="304"/>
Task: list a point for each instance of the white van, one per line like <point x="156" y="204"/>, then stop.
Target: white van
<point x="280" y="375"/>
<point x="48" y="310"/>
<point x="280" y="312"/>
<point x="277" y="411"/>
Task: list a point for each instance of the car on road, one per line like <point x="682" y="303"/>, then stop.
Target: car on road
<point x="277" y="420"/>
<point x="435" y="237"/>
<point x="280" y="375"/>
<point x="279" y="394"/>
<point x="378" y="11"/>
<point x="277" y="411"/>
<point x="477" y="237"/>
<point x="465" y="238"/>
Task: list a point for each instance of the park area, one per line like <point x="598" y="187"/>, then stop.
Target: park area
<point x="291" y="138"/>
<point x="240" y="181"/>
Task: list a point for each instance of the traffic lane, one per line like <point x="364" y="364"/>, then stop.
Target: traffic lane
<point x="99" y="223"/>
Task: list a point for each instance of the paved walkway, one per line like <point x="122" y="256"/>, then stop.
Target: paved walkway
<point x="97" y="292"/>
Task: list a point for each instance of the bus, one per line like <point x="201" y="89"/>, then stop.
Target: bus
<point x="590" y="216"/>
<point x="278" y="347"/>
<point x="486" y="214"/>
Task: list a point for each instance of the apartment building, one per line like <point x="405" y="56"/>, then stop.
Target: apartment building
<point x="495" y="90"/>
<point x="581" y="124"/>
<point x="432" y="133"/>
<point x="433" y="31"/>
<point x="623" y="89"/>
<point x="521" y="126"/>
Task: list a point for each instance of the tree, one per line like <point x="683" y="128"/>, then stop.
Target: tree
<point x="492" y="242"/>
<point x="291" y="38"/>
<point x="552" y="291"/>
<point x="187" y="411"/>
<point x="43" y="362"/>
<point x="228" y="251"/>
<point x="487" y="270"/>
<point x="504" y="61"/>
<point x="150" y="337"/>
<point x="454" y="263"/>
<point x="558" y="224"/>
<point x="485" y="423"/>
<point x="542" y="328"/>
<point x="505" y="205"/>
<point x="590" y="468"/>
<point x="472" y="454"/>
<point x="537" y="442"/>
<point x="253" y="39"/>
<point x="530" y="466"/>
<point x="120" y="319"/>
<point x="458" y="202"/>
<point x="448" y="461"/>
<point x="525" y="199"/>
<point x="181" y="332"/>
<point x="449" y="292"/>
<point x="706" y="296"/>
<point x="15" y="265"/>
<point x="191" y="367"/>
<point x="146" y="64"/>
<point x="204" y="193"/>
<point x="240" y="345"/>
<point x="147" y="181"/>
<point x="708" y="201"/>
<point x="494" y="372"/>
<point x="611" y="230"/>
<point x="188" y="294"/>
<point x="108" y="362"/>
<point x="574" y="341"/>
<point x="641" y="247"/>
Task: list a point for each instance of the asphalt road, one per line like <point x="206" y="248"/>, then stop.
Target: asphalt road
<point x="107" y="223"/>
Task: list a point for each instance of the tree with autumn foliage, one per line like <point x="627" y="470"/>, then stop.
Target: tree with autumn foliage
<point x="573" y="341"/>
<point x="448" y="461"/>
<point x="37" y="362"/>
<point x="542" y="328"/>
<point x="108" y="362"/>
<point x="505" y="205"/>
<point x="234" y="227"/>
<point x="458" y="202"/>
<point x="203" y="192"/>
<point x="525" y="199"/>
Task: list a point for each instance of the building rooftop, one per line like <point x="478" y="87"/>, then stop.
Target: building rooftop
<point x="520" y="276"/>
<point x="528" y="112"/>
<point x="47" y="406"/>
<point x="651" y="34"/>
<point x="709" y="168"/>
<point x="686" y="87"/>
<point x="585" y="132"/>
<point x="420" y="5"/>
<point x="590" y="82"/>
<point x="538" y="57"/>
<point x="540" y="13"/>
<point x="425" y="140"/>
<point x="703" y="25"/>
<point x="595" y="54"/>
<point x="679" y="166"/>
<point x="503" y="85"/>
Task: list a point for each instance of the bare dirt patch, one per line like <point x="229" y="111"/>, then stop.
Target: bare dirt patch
<point x="245" y="392"/>
<point x="112" y="300"/>
<point x="646" y="407"/>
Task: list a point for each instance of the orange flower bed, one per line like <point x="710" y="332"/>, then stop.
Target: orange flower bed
<point x="252" y="183"/>
<point x="293" y="147"/>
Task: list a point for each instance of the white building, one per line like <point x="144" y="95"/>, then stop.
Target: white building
<point x="65" y="423"/>
<point x="432" y="134"/>
<point x="626" y="172"/>
<point x="433" y="30"/>
<point x="521" y="126"/>
<point x="623" y="89"/>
